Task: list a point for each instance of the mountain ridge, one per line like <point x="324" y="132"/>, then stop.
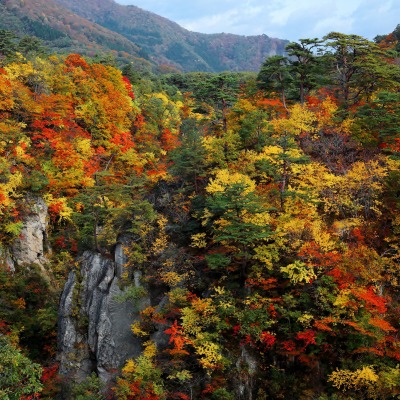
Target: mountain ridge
<point x="133" y="33"/>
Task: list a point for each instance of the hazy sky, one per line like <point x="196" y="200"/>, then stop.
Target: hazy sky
<point x="284" y="19"/>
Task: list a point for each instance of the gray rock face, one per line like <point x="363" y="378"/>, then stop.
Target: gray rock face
<point x="94" y="327"/>
<point x="243" y="381"/>
<point x="30" y="247"/>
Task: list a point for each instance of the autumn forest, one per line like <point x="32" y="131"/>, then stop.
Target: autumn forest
<point x="259" y="216"/>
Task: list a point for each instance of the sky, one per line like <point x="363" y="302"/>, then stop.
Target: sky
<point x="284" y="19"/>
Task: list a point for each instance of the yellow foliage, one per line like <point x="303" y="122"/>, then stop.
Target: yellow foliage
<point x="301" y="120"/>
<point x="199" y="240"/>
<point x="224" y="178"/>
<point x="321" y="236"/>
<point x="326" y="111"/>
<point x="10" y="188"/>
<point x="259" y="219"/>
<point x="177" y="295"/>
<point x="84" y="147"/>
<point x="219" y="151"/>
<point x="357" y="191"/>
<point x="137" y="330"/>
<point x="269" y="253"/>
<point x="150" y="349"/>
<point x="210" y="354"/>
<point x="305" y="320"/>
<point x="342" y="300"/>
<point x="299" y="272"/>
<point x="364" y="378"/>
<point x="172" y="278"/>
<point x="161" y="241"/>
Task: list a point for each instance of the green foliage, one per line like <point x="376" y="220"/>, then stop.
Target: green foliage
<point x="19" y="376"/>
<point x="89" y="389"/>
<point x="377" y="121"/>
<point x="30" y="307"/>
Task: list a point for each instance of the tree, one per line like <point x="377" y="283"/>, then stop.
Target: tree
<point x="357" y="67"/>
<point x="8" y="45"/>
<point x="304" y="64"/>
<point x="377" y="122"/>
<point x="188" y="158"/>
<point x="237" y="219"/>
<point x="274" y="77"/>
<point x="19" y="376"/>
<point x="220" y="91"/>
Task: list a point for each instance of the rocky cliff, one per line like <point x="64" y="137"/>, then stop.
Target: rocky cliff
<point x="94" y="322"/>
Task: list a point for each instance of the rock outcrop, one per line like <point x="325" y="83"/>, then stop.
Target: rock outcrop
<point x="94" y="324"/>
<point x="31" y="245"/>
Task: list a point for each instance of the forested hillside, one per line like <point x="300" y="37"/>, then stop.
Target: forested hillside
<point x="244" y="226"/>
<point x="130" y="34"/>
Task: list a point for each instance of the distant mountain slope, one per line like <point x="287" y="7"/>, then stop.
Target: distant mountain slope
<point x="62" y="29"/>
<point x="93" y="26"/>
<point x="169" y="43"/>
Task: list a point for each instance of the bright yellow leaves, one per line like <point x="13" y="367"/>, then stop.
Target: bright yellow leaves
<point x="10" y="189"/>
<point x="210" y="356"/>
<point x="199" y="240"/>
<point x="142" y="374"/>
<point x="357" y="192"/>
<point x="224" y="178"/>
<point x="202" y="312"/>
<point x="301" y="120"/>
<point x="299" y="272"/>
<point x="197" y="320"/>
<point x="161" y="241"/>
<point x="360" y="379"/>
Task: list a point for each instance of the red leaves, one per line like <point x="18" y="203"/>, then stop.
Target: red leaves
<point x="308" y="337"/>
<point x="267" y="339"/>
<point x="289" y="346"/>
<point x="128" y="87"/>
<point x="343" y="279"/>
<point x="178" y="396"/>
<point x="49" y="373"/>
<point x="123" y="140"/>
<point x="55" y="208"/>
<point x="262" y="283"/>
<point x="313" y="253"/>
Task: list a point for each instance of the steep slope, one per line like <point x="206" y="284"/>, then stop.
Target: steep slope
<point x="171" y="44"/>
<point x="62" y="30"/>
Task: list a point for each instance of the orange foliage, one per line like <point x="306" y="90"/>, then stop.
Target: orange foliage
<point x="312" y="252"/>
<point x="322" y="324"/>
<point x="262" y="283"/>
<point x="358" y="328"/>
<point x="74" y="61"/>
<point x="176" y="337"/>
<point x="373" y="302"/>
<point x="381" y="324"/>
<point x="169" y="140"/>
